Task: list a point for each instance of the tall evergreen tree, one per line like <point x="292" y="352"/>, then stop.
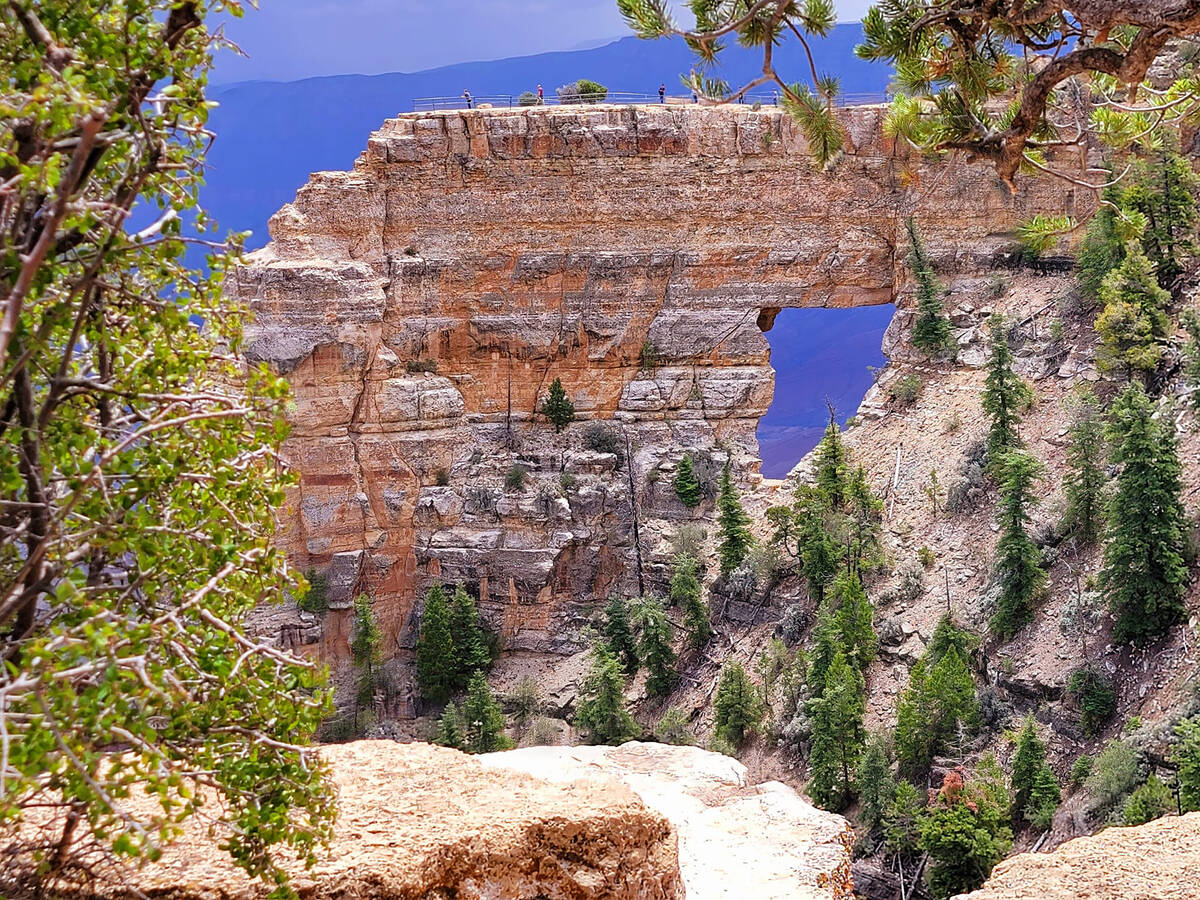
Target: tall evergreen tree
<point x="1018" y="559"/>
<point x="837" y="735"/>
<point x="832" y="463"/>
<point x="733" y="525"/>
<point x="1005" y="394"/>
<point x="1185" y="756"/>
<point x="601" y="712"/>
<point x="618" y="633"/>
<point x="854" y="621"/>
<point x="1144" y="576"/>
<point x="437" y="662"/>
<point x="687" y="485"/>
<point x="1085" y="479"/>
<point x="1191" y="357"/>
<point x="738" y="705"/>
<point x="366" y="650"/>
<point x="931" y="330"/>
<point x="654" y="647"/>
<point x="471" y="652"/>
<point x="864" y="512"/>
<point x="558" y="408"/>
<point x="483" y="720"/>
<point x="1133" y="325"/>
<point x="685" y="592"/>
<point x="1102" y="249"/>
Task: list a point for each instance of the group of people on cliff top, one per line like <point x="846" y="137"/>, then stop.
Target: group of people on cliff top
<point x="662" y="96"/>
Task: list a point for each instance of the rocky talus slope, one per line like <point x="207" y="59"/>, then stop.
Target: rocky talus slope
<point x="619" y="823"/>
<point x="422" y="303"/>
<point x="1156" y="861"/>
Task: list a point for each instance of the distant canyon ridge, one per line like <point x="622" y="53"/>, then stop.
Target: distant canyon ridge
<point x="422" y="303"/>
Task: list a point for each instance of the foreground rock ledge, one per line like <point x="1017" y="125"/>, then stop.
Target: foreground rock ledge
<point x="419" y="821"/>
<point x="736" y="839"/>
<point x="1157" y="861"/>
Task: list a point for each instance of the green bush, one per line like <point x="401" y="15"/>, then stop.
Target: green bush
<point x="600" y="437"/>
<point x="1150" y="801"/>
<point x="925" y="555"/>
<point x="527" y="98"/>
<point x="1114" y="774"/>
<point x="672" y="728"/>
<point x="1081" y="769"/>
<point x="514" y="478"/>
<point x="905" y="391"/>
<point x="415" y="366"/>
<point x="316" y="599"/>
<point x="442" y="477"/>
<point x="584" y="90"/>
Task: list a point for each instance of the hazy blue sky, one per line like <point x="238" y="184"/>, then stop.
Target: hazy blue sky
<point x="288" y="39"/>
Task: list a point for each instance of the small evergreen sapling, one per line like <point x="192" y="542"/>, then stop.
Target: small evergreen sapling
<point x="654" y="647"/>
<point x="931" y="330"/>
<point x="687" y="485"/>
<point x="738" y="705"/>
<point x="1085" y="480"/>
<point x="471" y="653"/>
<point x="1005" y="394"/>
<point x="876" y="784"/>
<point x="1035" y="792"/>
<point x="601" y="713"/>
<point x="483" y="720"/>
<point x="618" y="634"/>
<point x="832" y="465"/>
<point x="1185" y="756"/>
<point x="366" y="650"/>
<point x="451" y="731"/>
<point x="685" y="592"/>
<point x="1018" y="559"/>
<point x="558" y="408"/>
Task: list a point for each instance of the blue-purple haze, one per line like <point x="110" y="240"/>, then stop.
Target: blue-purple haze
<point x="274" y="130"/>
<point x="290" y="39"/>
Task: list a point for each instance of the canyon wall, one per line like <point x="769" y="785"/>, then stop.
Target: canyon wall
<point x="422" y="303"/>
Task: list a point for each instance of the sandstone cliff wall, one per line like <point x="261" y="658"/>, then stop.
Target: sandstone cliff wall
<point x="422" y="303"/>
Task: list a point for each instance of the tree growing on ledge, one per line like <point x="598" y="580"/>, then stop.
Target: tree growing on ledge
<point x="733" y="525"/>
<point x="138" y="469"/>
<point x="558" y="408"/>
<point x="738" y="706"/>
<point x="687" y="485"/>
<point x="1018" y="559"/>
<point x="1005" y="394"/>
<point x="601" y="712"/>
<point x="437" y="665"/>
<point x="366" y="651"/>
<point x="931" y="330"/>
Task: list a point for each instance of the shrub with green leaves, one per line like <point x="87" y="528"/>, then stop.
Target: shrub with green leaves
<point x="1185" y="756"/>
<point x="931" y="329"/>
<point x="483" y="720"/>
<point x="1093" y="693"/>
<point x="965" y="830"/>
<point x="138" y="466"/>
<point x="1151" y="800"/>
<point x="1114" y="774"/>
<point x="557" y="407"/>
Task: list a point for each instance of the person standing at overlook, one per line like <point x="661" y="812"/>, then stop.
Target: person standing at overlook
<point x="662" y="93"/>
<point x="467" y="97"/>
<point x="541" y="96"/>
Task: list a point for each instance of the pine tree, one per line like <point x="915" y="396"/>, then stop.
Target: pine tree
<point x="471" y="652"/>
<point x="864" y="512"/>
<point x="1031" y="791"/>
<point x="738" y="706"/>
<point x="1018" y="559"/>
<point x="1133" y="324"/>
<point x="601" y="712"/>
<point x="854" y="621"/>
<point x="902" y="819"/>
<point x="618" y="633"/>
<point x="366" y="650"/>
<point x="733" y="525"/>
<point x="654" y="647"/>
<point x="1152" y="800"/>
<point x="687" y="486"/>
<point x="832" y="464"/>
<point x="1085" y="479"/>
<point x="1044" y="797"/>
<point x="826" y="643"/>
<point x="1163" y="190"/>
<point x="1191" y="357"/>
<point x="931" y="330"/>
<point x="685" y="592"/>
<point x="1004" y="393"/>
<point x="437" y="662"/>
<point x="1144" y="576"/>
<point x="939" y="704"/>
<point x="558" y="408"/>
<point x="837" y="735"/>
<point x="451" y="730"/>
<point x="1185" y="756"/>
<point x="876" y="785"/>
<point x="483" y="720"/>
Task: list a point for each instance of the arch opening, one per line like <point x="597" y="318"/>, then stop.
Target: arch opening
<point x="818" y="355"/>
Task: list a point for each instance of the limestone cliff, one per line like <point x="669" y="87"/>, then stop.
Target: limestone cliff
<point x="422" y="303"/>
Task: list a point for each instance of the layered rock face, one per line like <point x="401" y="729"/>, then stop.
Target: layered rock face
<point x="637" y="822"/>
<point x="422" y="303"/>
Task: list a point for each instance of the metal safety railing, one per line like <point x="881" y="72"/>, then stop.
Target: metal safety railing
<point x="618" y="98"/>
